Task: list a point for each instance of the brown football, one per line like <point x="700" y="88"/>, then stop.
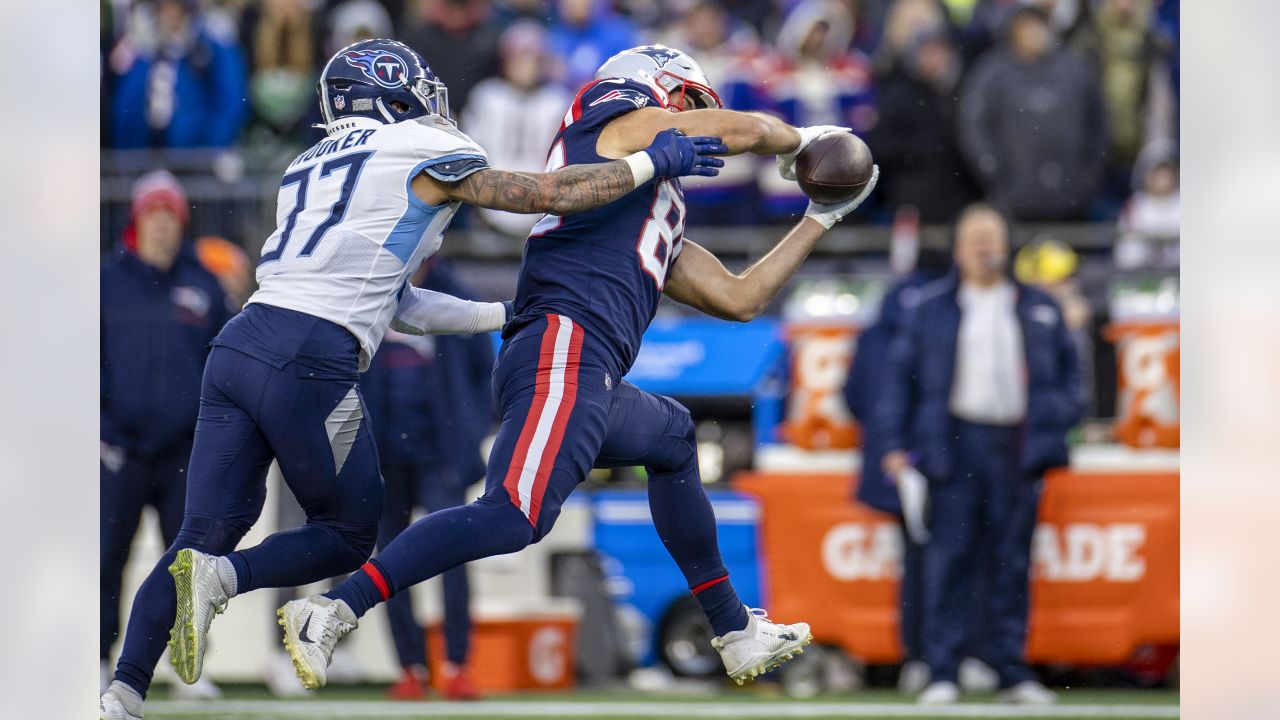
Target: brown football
<point x="834" y="168"/>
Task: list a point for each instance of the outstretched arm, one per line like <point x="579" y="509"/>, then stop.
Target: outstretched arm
<point x="742" y="132"/>
<point x="701" y="281"/>
<point x="567" y="190"/>
<point x="577" y="187"/>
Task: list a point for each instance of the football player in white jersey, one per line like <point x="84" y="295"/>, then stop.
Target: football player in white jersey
<point x="357" y="214"/>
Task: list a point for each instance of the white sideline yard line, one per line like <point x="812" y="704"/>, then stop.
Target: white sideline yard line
<point x="539" y="709"/>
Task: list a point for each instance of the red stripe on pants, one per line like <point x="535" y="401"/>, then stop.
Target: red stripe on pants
<point x="547" y="354"/>
<point x="552" y="449"/>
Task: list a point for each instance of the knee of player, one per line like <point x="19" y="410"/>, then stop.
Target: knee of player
<point x="510" y="528"/>
<point x="681" y="449"/>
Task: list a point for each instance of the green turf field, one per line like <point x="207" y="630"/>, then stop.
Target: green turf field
<point x="253" y="703"/>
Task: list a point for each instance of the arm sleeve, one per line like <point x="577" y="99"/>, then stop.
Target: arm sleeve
<point x="444" y="152"/>
<point x="426" y="311"/>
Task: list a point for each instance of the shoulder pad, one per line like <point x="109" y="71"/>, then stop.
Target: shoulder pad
<point x="604" y="100"/>
<point x="435" y="122"/>
<point x="454" y="168"/>
<point x="619" y="90"/>
<point x="446" y="153"/>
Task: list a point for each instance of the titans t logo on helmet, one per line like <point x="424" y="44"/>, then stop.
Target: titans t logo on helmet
<point x="384" y="68"/>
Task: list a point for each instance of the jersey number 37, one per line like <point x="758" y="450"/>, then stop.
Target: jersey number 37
<point x="351" y="164"/>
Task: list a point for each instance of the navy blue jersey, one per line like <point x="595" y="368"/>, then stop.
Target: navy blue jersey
<point x="603" y="268"/>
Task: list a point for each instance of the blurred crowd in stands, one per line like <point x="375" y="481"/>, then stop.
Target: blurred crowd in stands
<point x="1056" y="110"/>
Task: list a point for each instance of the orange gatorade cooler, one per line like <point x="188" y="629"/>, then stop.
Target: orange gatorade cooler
<point x="1145" y="331"/>
<point x="533" y="652"/>
<point x="823" y="319"/>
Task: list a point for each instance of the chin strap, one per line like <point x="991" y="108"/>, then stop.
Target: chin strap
<point x="382" y="109"/>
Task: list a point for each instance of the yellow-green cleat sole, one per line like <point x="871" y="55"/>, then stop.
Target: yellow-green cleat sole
<point x="183" y="650"/>
<point x="309" y="679"/>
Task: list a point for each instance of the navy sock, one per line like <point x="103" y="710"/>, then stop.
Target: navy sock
<point x="720" y="603"/>
<point x="440" y="541"/>
<point x="365" y="588"/>
<point x="686" y="523"/>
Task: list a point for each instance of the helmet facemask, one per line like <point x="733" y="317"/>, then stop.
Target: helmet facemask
<point x="433" y="95"/>
<point x="700" y="95"/>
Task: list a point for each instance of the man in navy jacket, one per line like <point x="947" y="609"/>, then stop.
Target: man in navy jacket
<point x="981" y="386"/>
<point x="862" y="392"/>
<point x="159" y="310"/>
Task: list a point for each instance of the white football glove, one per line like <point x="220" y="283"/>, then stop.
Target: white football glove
<point x="787" y="162"/>
<point x="828" y="215"/>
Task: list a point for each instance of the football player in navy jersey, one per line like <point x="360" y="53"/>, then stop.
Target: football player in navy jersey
<point x="589" y="286"/>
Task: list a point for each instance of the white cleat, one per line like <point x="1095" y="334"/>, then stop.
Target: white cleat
<point x="312" y="627"/>
<point x="1027" y="692"/>
<point x="200" y="597"/>
<point x="975" y="676"/>
<point x="120" y="702"/>
<point x="913" y="678"/>
<point x="942" y="692"/>
<point x="761" y="646"/>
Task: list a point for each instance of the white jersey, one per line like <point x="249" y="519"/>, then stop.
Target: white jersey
<point x="349" y="230"/>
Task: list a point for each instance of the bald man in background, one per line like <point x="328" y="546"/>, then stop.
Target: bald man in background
<point x="981" y="386"/>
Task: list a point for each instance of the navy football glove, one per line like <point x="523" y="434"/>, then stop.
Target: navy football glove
<point x="674" y="154"/>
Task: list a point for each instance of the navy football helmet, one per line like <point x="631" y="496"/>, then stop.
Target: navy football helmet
<point x="380" y="79"/>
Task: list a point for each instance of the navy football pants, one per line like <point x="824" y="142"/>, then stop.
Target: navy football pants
<point x="981" y="523"/>
<point x="159" y="481"/>
<point x="563" y="412"/>
<point x="250" y="411"/>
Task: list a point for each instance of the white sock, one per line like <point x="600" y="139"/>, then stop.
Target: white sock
<point x="227" y="574"/>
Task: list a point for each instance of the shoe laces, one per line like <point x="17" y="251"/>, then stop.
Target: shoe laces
<point x="761" y="614"/>
<point x="329" y="623"/>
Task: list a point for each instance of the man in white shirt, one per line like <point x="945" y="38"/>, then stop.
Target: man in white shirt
<point x="981" y="386"/>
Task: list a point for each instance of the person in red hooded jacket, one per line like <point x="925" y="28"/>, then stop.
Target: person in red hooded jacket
<point x="159" y="309"/>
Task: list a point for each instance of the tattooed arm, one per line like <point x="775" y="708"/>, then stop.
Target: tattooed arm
<point x="578" y="187"/>
<point x="567" y="190"/>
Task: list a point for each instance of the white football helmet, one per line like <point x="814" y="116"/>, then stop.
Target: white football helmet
<point x="672" y="73"/>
